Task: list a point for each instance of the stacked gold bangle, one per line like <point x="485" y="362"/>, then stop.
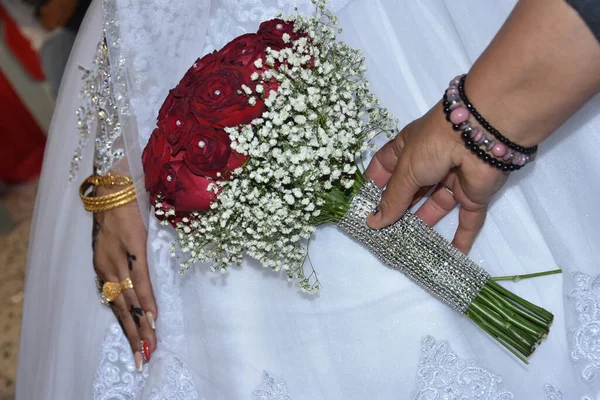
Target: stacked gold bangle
<point x="110" y="201"/>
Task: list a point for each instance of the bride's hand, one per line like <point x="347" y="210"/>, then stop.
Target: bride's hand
<point x="428" y="153"/>
<point x="119" y="244"/>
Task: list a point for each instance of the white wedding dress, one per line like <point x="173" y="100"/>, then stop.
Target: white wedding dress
<point x="370" y="333"/>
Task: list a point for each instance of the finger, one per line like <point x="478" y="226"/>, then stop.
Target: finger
<point x="469" y="225"/>
<point x="119" y="308"/>
<point x="419" y="195"/>
<point x="130" y="266"/>
<point x="395" y="199"/>
<point x="439" y="204"/>
<point x="384" y="162"/>
<point x="135" y="259"/>
<point x="145" y="331"/>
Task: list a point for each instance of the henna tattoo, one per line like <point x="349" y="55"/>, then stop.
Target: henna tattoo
<point x="95" y="230"/>
<point x="130" y="259"/>
<point x="121" y="325"/>
<point x="136" y="313"/>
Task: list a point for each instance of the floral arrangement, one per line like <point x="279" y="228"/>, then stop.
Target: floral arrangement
<point x="258" y="145"/>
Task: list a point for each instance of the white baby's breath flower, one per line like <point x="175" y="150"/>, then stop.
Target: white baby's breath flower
<point x="303" y="145"/>
<point x="246" y="89"/>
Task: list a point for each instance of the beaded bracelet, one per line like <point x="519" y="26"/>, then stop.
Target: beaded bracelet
<point x="505" y="155"/>
<point x="486" y="125"/>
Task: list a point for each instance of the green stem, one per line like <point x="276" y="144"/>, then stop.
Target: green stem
<point x="534" y="331"/>
<point x="503" y="325"/>
<point x="493" y="332"/>
<point x="517" y="278"/>
<point x="498" y="334"/>
<point x="546" y="315"/>
<point x="515" y="308"/>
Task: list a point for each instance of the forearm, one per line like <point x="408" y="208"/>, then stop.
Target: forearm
<point x="542" y="66"/>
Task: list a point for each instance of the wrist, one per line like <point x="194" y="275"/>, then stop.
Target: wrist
<point x="508" y="109"/>
<point x="478" y="135"/>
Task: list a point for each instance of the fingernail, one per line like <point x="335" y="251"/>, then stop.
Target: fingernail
<point x="151" y="319"/>
<point x="145" y="350"/>
<point x="139" y="361"/>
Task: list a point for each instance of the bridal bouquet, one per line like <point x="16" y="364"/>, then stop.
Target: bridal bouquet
<point x="258" y="145"/>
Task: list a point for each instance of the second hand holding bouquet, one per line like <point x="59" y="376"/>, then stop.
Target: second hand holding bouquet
<point x="258" y="145"/>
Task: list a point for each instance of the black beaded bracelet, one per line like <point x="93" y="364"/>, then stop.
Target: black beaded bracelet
<point x="486" y="125"/>
<point x="474" y="147"/>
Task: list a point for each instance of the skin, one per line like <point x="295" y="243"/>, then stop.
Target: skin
<point x="119" y="244"/>
<point x="536" y="87"/>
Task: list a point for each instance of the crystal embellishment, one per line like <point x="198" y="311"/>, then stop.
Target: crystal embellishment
<point x="99" y="107"/>
<point x="412" y="247"/>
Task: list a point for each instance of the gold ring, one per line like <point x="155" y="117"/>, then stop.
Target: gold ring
<point x="126" y="284"/>
<point x="112" y="290"/>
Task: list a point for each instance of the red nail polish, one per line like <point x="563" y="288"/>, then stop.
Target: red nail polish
<point x="146" y="350"/>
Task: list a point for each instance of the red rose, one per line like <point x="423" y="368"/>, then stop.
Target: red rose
<point x="184" y="191"/>
<point x="207" y="151"/>
<point x="243" y="51"/>
<point x="156" y="154"/>
<point x="192" y="192"/>
<point x="216" y="99"/>
<point x="175" y="121"/>
<point x="272" y="32"/>
<point x="167" y="184"/>
<point x="209" y="62"/>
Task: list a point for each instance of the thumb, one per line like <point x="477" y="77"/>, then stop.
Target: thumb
<point x="396" y="198"/>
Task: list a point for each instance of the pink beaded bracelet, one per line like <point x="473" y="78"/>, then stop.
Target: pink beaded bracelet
<point x="496" y="150"/>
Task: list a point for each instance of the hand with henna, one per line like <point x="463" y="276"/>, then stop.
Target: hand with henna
<point x="119" y="245"/>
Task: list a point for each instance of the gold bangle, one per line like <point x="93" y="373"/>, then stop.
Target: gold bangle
<point x="109" y="180"/>
<point x="110" y="201"/>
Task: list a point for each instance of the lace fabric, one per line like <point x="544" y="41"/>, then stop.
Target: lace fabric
<point x="232" y="18"/>
<point x="585" y="348"/>
<point x="443" y="375"/>
<point x="116" y="376"/>
<point x="554" y="394"/>
<point x="177" y="385"/>
<point x="271" y="389"/>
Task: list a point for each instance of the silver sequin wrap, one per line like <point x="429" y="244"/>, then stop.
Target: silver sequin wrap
<point x="418" y="251"/>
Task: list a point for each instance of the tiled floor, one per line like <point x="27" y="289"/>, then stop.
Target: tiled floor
<point x="19" y="200"/>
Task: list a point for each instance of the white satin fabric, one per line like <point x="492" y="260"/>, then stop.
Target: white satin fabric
<point x="366" y="335"/>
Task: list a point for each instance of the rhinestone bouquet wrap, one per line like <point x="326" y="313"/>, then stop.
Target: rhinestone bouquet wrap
<point x="418" y="251"/>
